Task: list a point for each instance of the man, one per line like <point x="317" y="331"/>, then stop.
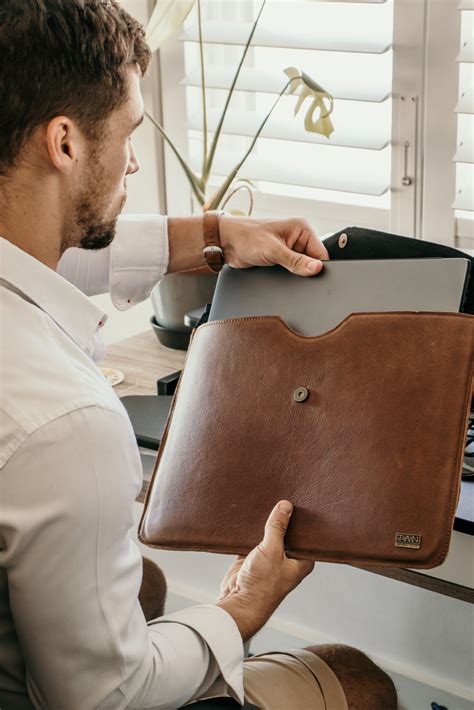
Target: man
<point x="72" y="633"/>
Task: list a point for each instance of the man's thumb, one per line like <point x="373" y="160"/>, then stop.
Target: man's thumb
<point x="277" y="524"/>
<point x="299" y="263"/>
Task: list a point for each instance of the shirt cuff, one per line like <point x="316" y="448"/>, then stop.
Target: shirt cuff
<point x="221" y="634"/>
<point x="139" y="258"/>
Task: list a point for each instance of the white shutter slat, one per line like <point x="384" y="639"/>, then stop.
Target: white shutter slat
<point x="465" y="149"/>
<point x="464" y="156"/>
<point x="346" y="87"/>
<point x="465" y="197"/>
<point x="358" y="2"/>
<point x="466" y="102"/>
<point x="238" y="123"/>
<point x="464" y="228"/>
<point x="326" y="178"/>
<point x="306" y="38"/>
<point x="467" y="52"/>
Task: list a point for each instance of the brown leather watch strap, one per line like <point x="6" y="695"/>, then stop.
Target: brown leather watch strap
<point x="213" y="252"/>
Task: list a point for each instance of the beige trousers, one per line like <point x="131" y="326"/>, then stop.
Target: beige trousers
<point x="297" y="679"/>
<point x="293" y="680"/>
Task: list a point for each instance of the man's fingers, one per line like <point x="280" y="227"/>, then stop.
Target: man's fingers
<point x="315" y="248"/>
<point x="277" y="525"/>
<point x="298" y="263"/>
<point x="302" y="238"/>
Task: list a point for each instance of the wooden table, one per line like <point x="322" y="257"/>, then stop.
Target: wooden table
<point x="143" y="360"/>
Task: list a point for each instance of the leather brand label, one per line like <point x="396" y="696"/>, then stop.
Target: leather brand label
<point x="408" y="540"/>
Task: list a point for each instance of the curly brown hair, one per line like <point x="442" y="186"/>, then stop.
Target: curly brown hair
<point x="63" y="57"/>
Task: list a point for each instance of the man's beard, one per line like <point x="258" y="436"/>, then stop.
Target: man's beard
<point x="86" y="229"/>
<point x="96" y="235"/>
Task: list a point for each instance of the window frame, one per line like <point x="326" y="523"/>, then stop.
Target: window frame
<point x="423" y="209"/>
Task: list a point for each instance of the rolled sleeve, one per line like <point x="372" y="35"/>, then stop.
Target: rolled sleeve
<point x="222" y="637"/>
<point x="129" y="268"/>
<point x="138" y="258"/>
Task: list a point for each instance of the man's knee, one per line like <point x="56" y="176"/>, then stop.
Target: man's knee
<point x="367" y="687"/>
<point x="152" y="591"/>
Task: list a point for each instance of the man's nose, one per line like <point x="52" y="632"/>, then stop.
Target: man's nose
<point x="133" y="164"/>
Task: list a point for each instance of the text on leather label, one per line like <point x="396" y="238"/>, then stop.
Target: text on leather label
<point x="408" y="540"/>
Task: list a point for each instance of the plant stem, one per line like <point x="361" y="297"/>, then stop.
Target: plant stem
<point x="228" y="181"/>
<point x="262" y="125"/>
<point x="197" y="184"/>
<point x="203" y="87"/>
<point x="231" y="194"/>
<point x="209" y="160"/>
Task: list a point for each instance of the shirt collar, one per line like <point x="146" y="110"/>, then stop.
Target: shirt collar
<point x="73" y="312"/>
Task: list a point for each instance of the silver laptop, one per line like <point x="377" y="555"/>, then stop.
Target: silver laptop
<point x="315" y="304"/>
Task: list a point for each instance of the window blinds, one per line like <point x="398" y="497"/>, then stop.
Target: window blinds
<point x="464" y="156"/>
<point x="347" y="47"/>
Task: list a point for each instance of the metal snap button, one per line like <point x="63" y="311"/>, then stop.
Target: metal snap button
<point x="342" y="240"/>
<point x="300" y="394"/>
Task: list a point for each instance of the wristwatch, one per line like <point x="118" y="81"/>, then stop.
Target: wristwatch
<point x="212" y="251"/>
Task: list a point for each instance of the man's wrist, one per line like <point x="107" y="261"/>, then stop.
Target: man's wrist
<point x="243" y="613"/>
<point x="226" y="228"/>
<point x="185" y="244"/>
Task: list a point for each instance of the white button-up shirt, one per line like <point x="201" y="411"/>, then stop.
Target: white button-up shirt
<point x="72" y="633"/>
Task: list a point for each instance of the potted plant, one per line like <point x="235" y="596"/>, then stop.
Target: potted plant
<point x="176" y="294"/>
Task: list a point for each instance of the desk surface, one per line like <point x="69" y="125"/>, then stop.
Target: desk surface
<point x="143" y="360"/>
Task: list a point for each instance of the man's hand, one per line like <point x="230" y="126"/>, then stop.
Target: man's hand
<point x="255" y="585"/>
<point x="248" y="242"/>
<point x="263" y="242"/>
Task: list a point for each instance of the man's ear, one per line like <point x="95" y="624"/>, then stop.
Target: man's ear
<point x="62" y="143"/>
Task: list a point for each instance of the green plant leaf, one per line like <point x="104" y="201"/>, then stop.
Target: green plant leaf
<point x="196" y="182"/>
<point x="246" y="180"/>
<point x="321" y="101"/>
<point x="167" y="18"/>
<point x="213" y="202"/>
<point x="234" y="191"/>
<point x="210" y="157"/>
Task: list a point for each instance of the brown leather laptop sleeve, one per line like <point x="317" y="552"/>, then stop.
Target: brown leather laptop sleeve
<point x="362" y="428"/>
